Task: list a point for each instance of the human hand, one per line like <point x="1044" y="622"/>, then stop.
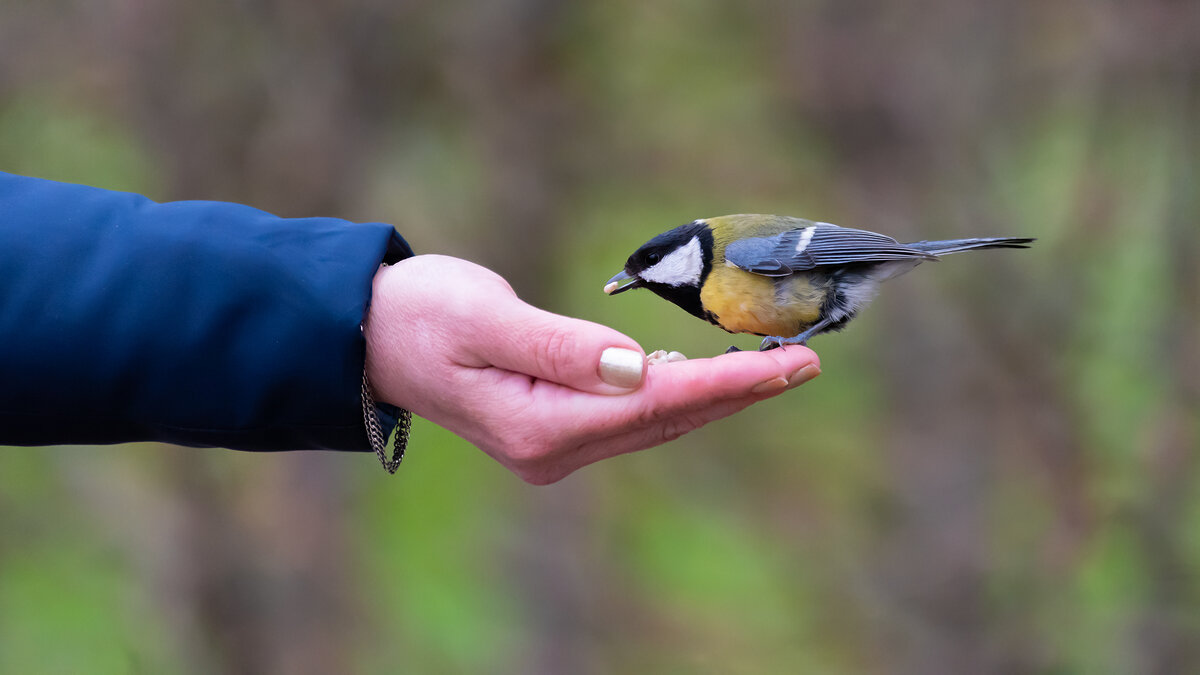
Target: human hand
<point x="450" y="341"/>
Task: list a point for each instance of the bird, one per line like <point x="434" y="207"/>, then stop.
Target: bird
<point x="783" y="278"/>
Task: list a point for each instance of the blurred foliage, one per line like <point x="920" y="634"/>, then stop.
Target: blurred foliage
<point x="996" y="473"/>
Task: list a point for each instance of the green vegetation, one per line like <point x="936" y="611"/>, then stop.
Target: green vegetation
<point x="997" y="471"/>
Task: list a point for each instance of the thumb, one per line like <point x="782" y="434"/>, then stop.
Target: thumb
<point x="572" y="352"/>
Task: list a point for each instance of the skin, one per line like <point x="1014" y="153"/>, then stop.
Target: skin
<point x="450" y="341"/>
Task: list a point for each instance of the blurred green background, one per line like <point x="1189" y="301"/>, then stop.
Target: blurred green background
<point x="997" y="472"/>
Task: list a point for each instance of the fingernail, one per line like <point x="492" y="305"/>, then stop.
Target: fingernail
<point x="621" y="367"/>
<point x="773" y="384"/>
<point x="803" y="375"/>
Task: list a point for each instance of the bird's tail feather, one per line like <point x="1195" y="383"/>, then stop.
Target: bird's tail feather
<point x="946" y="246"/>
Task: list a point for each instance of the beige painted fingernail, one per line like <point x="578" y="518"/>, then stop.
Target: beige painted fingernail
<point x="803" y="375"/>
<point x="773" y="384"/>
<point x="621" y="367"/>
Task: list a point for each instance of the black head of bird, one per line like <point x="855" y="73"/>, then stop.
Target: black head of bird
<point x="786" y="279"/>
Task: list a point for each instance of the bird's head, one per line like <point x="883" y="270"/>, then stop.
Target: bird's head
<point x="674" y="265"/>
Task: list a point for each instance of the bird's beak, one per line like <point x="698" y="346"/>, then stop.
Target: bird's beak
<point x="613" y="287"/>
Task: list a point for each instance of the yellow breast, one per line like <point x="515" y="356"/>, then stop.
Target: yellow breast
<point x="750" y="303"/>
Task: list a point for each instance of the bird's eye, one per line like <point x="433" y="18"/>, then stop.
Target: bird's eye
<point x="653" y="258"/>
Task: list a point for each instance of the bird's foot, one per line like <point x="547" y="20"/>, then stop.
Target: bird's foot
<point x="772" y="342"/>
<point x="732" y="349"/>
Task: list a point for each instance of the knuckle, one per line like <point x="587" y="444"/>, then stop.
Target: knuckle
<point x="540" y="477"/>
<point x="556" y="350"/>
<point x="534" y="460"/>
<point x="523" y="452"/>
<point x="674" y="428"/>
<point x="651" y="416"/>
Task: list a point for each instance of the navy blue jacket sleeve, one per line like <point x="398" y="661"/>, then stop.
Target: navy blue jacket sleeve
<point x="195" y="323"/>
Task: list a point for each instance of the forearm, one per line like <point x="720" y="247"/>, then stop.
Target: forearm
<point x="198" y="323"/>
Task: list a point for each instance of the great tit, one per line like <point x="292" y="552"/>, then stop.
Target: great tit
<point x="786" y="279"/>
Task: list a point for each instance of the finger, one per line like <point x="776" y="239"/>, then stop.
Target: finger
<point x="683" y="386"/>
<point x="678" y="388"/>
<point x="645" y="437"/>
<point x="569" y="429"/>
<point x="571" y="352"/>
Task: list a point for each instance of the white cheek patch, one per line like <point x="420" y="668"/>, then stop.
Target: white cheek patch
<point x="681" y="267"/>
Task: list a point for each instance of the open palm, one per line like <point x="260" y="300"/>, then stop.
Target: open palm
<point x="450" y="341"/>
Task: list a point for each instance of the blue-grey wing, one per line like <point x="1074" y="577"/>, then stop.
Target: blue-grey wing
<point x="758" y="255"/>
<point x="818" y="245"/>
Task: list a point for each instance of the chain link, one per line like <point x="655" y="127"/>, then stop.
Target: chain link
<point x="375" y="430"/>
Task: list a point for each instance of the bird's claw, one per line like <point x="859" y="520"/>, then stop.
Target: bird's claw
<point x="770" y="343"/>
